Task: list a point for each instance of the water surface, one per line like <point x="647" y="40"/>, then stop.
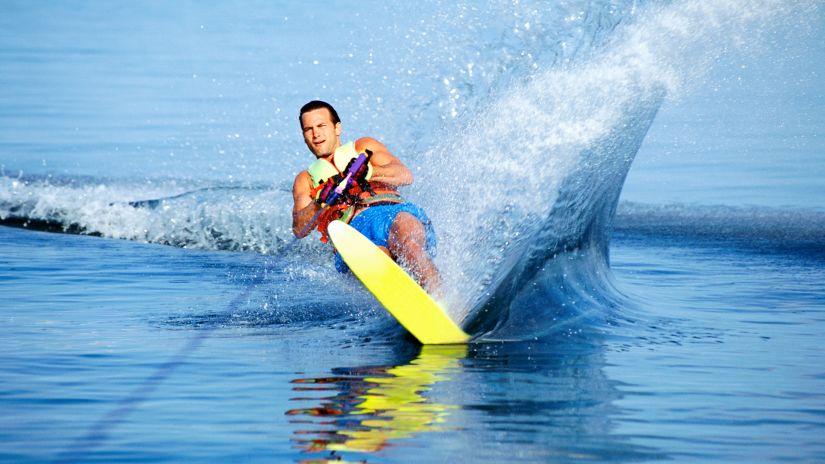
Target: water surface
<point x="628" y="197"/>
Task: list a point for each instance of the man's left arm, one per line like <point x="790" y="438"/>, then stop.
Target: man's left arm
<point x="386" y="168"/>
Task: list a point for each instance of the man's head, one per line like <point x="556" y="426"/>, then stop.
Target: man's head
<point x="321" y="127"/>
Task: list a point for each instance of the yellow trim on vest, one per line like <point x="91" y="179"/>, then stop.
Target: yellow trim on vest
<point x="321" y="169"/>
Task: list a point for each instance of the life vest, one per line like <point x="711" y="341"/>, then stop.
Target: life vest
<point x="322" y="169"/>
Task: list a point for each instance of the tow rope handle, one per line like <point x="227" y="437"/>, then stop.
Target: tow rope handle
<point x="362" y="181"/>
<point x="349" y="178"/>
<point x="342" y="187"/>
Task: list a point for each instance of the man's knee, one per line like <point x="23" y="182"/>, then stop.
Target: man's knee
<point x="405" y="227"/>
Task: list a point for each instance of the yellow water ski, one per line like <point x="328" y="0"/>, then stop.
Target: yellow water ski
<point x="412" y="307"/>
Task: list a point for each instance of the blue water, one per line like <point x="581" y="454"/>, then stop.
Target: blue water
<point x="634" y="234"/>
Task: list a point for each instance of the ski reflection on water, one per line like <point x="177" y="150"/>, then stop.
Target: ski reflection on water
<point x="368" y="407"/>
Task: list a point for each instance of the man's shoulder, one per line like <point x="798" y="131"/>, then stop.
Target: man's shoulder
<point x="303" y="177"/>
<point x="367" y="142"/>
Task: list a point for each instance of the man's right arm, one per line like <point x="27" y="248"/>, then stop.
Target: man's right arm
<point x="304" y="207"/>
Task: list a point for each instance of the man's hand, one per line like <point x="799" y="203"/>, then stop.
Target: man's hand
<point x="327" y="191"/>
<point x="360" y="175"/>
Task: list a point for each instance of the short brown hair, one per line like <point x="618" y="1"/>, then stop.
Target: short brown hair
<point x="317" y="105"/>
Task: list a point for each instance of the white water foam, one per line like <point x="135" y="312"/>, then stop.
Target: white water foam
<point x="542" y="90"/>
<point x="499" y="176"/>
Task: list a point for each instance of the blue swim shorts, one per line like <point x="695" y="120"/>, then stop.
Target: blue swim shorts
<point x="375" y="221"/>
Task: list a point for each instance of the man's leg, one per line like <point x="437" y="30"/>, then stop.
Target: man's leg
<point x="407" y="244"/>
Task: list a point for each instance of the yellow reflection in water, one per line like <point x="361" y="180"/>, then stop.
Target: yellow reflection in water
<point x="384" y="405"/>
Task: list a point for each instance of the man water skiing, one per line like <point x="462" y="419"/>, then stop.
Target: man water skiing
<point x="371" y="204"/>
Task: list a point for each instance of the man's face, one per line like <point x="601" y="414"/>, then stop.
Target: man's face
<point x="320" y="133"/>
